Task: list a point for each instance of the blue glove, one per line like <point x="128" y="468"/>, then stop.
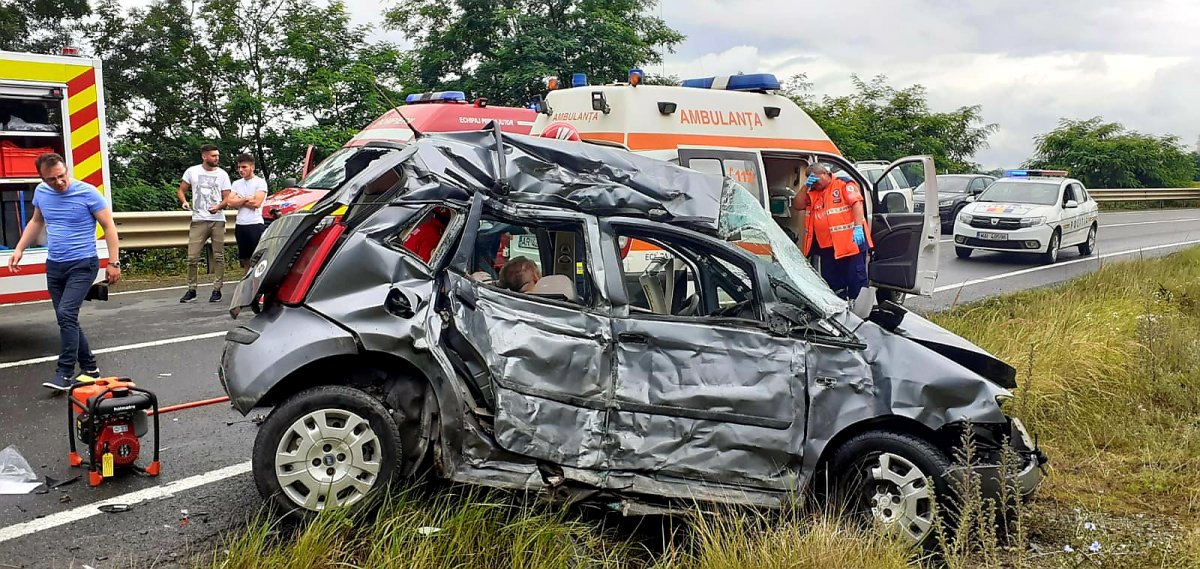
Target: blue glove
<point x="811" y="180"/>
<point x="860" y="236"/>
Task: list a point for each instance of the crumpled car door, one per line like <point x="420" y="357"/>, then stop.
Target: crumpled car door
<point x="547" y="365"/>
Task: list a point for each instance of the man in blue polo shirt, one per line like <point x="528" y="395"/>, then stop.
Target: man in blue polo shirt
<point x="68" y="210"/>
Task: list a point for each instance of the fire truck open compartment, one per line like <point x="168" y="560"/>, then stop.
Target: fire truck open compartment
<point x="30" y="124"/>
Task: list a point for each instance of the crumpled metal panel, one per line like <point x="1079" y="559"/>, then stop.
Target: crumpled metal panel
<point x="707" y="401"/>
<point x="584" y="177"/>
<point x="893" y="376"/>
<point x="540" y="412"/>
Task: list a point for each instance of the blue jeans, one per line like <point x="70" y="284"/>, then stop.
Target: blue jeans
<point x="69" y="282"/>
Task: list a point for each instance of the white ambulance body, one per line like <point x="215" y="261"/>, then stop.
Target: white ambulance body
<point x="741" y="128"/>
<point x="47" y="103"/>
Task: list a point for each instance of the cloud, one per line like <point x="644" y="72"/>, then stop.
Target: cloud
<point x="1028" y="63"/>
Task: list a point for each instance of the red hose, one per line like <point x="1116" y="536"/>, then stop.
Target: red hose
<point x="190" y="405"/>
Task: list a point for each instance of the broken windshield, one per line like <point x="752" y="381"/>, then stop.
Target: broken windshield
<point x="745" y="223"/>
<point x="341" y="167"/>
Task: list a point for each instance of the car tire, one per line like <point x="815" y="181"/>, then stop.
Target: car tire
<point x="1051" y="255"/>
<point x="963" y="252"/>
<point x="1088" y="246"/>
<point x="883" y="477"/>
<point x="328" y="446"/>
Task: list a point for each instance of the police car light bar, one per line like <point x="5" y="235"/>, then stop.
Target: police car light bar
<point x="1035" y="173"/>
<point x="755" y="82"/>
<point x="436" y="97"/>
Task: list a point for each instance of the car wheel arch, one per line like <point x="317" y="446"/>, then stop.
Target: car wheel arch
<point x="386" y="377"/>
<point x="893" y="423"/>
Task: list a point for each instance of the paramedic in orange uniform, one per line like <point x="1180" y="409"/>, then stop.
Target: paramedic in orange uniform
<point x="835" y="230"/>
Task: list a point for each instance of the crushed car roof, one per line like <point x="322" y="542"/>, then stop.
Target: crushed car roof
<point x="586" y="177"/>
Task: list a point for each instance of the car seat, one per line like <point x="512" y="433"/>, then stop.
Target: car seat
<point x="555" y="285"/>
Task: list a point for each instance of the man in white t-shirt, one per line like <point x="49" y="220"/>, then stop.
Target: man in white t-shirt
<point x="248" y="195"/>
<point x="210" y="188"/>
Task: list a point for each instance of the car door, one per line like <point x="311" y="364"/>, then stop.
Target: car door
<point x="542" y="363"/>
<point x="743" y="166"/>
<point x="906" y="244"/>
<point x="704" y="390"/>
<point x="1075" y="218"/>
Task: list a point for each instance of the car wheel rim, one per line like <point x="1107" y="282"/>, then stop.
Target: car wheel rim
<point x="1091" y="239"/>
<point x="328" y="458"/>
<point x="898" y="495"/>
<point x="1054" y="248"/>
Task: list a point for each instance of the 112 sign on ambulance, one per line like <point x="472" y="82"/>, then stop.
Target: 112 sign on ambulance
<point x="741" y="127"/>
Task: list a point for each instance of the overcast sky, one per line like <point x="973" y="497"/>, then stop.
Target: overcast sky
<point x="1027" y="62"/>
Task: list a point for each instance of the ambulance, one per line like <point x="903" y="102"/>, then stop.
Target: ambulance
<point x="741" y="127"/>
<point x="47" y="104"/>
<point x="443" y="111"/>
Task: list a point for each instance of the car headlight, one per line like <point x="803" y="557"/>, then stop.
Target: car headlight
<point x="945" y="201"/>
<point x="1032" y="221"/>
<point x="965" y="217"/>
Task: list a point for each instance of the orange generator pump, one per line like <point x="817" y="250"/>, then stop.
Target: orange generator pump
<point x="109" y="415"/>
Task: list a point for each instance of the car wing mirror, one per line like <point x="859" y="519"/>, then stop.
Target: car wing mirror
<point x="1071" y="204"/>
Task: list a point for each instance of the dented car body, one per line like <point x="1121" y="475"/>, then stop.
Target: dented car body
<point x="391" y="339"/>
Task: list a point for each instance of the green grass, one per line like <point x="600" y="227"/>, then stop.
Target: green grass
<point x="1110" y="372"/>
<point x="1148" y="204"/>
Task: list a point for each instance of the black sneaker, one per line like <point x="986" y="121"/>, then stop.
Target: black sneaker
<point x="59" y="383"/>
<point x="216" y="296"/>
<point x="92" y="373"/>
<point x="188" y="296"/>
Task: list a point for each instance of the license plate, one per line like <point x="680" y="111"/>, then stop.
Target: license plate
<point x="527" y="241"/>
<point x="993" y="236"/>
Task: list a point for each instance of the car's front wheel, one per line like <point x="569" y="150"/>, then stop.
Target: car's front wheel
<point x="325" y="447"/>
<point x="963" y="252"/>
<point x="1051" y="255"/>
<point x="895" y="479"/>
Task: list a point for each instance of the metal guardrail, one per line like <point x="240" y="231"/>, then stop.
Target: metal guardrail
<point x="1145" y="194"/>
<point x="165" y="229"/>
<point x="161" y="229"/>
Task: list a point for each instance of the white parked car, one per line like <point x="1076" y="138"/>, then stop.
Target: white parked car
<point x="895" y="183"/>
<point x="1029" y="211"/>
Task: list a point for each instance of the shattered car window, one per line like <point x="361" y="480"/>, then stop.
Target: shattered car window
<point x="342" y="166"/>
<point x="745" y="223"/>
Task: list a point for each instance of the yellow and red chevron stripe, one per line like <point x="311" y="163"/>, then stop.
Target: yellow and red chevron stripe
<point x="82" y="107"/>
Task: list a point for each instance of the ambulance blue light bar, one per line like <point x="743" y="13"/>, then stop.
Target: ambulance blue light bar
<point x="436" y="97"/>
<point x="755" y="82"/>
<point x="1035" y="173"/>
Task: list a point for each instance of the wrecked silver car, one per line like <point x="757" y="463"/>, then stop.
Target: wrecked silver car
<point x="398" y="331"/>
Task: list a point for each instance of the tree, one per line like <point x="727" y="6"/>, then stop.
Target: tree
<point x="503" y="49"/>
<point x="1107" y="155"/>
<point x="281" y="75"/>
<point x="878" y="122"/>
<point x="39" y="26"/>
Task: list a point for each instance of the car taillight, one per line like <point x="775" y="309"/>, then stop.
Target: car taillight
<point x="308" y="264"/>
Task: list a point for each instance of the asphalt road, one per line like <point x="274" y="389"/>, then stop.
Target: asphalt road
<point x="173" y="349"/>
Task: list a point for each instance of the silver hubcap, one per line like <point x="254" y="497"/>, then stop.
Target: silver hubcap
<point x="1092" y="239"/>
<point x="327" y="458"/>
<point x="1054" y="247"/>
<point x="899" y="496"/>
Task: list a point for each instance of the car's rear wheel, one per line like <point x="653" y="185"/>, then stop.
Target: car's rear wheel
<point x="1088" y="246"/>
<point x="1051" y="255"/>
<point x="894" y="479"/>
<point x="329" y="446"/>
<point x="963" y="252"/>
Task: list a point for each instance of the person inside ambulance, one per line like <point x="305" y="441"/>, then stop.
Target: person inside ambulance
<point x="835" y="230"/>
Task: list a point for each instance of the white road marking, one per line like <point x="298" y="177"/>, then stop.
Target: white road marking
<point x="1150" y="222"/>
<point x="1093" y="258"/>
<point x="127" y="347"/>
<point x="83" y="512"/>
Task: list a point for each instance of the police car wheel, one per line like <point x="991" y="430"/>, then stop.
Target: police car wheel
<point x="1088" y="246"/>
<point x="963" y="252"/>
<point x="1051" y="255"/>
<point x="326" y="447"/>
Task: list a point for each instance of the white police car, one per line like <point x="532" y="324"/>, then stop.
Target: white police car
<point x="1029" y="211"/>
